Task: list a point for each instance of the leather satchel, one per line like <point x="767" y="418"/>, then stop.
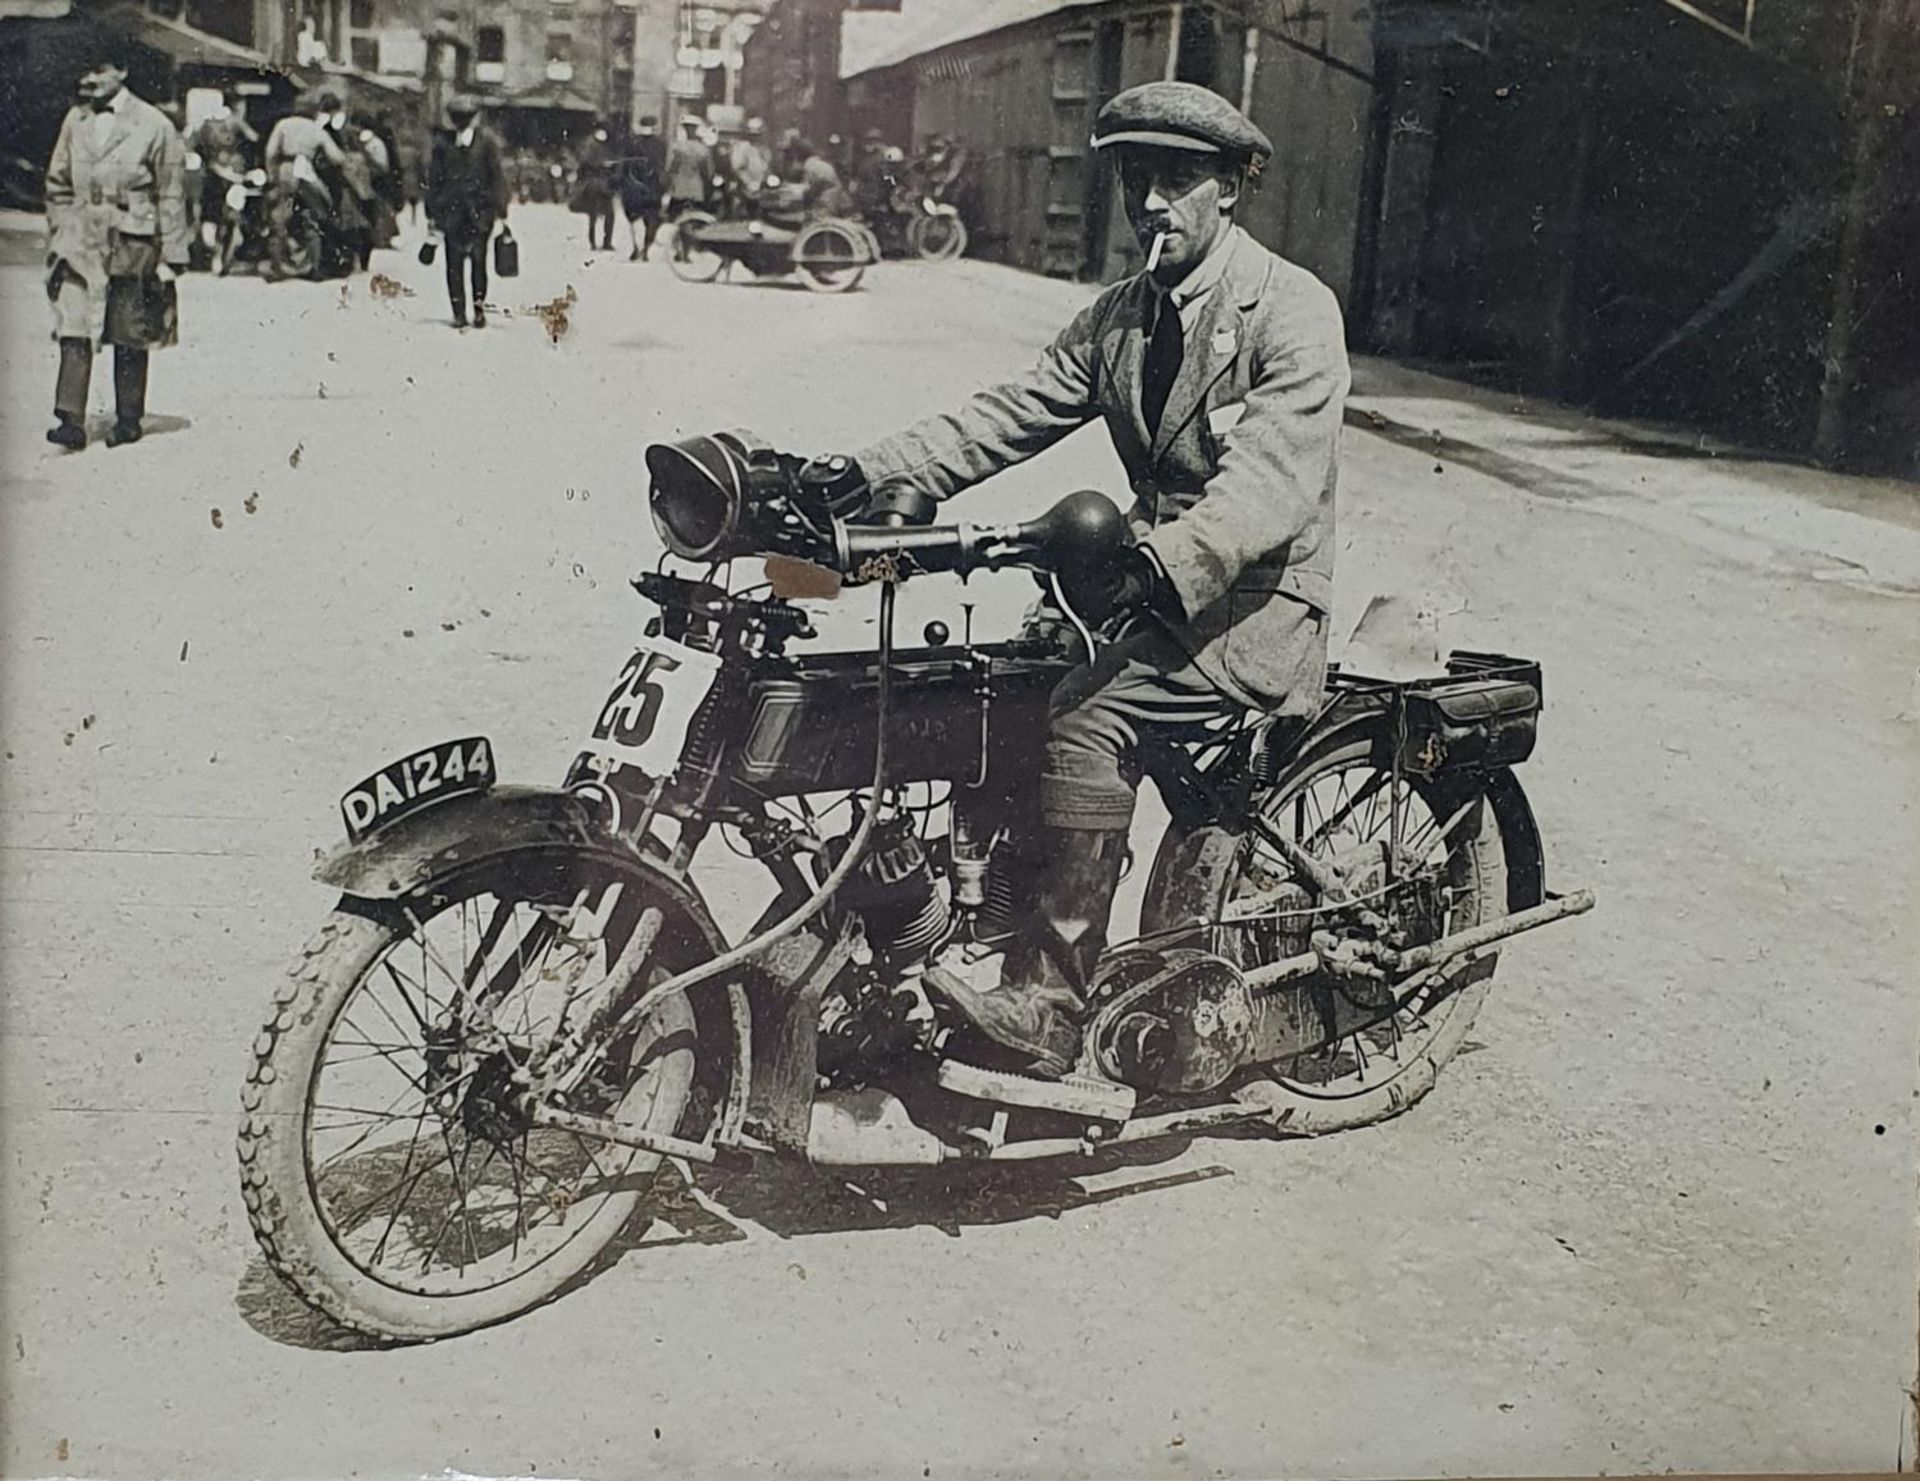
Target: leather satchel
<point x="506" y="255"/>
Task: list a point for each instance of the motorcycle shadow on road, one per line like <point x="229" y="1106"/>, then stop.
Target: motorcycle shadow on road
<point x="768" y="1198"/>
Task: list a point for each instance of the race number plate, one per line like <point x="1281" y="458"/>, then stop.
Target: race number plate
<point x="449" y="769"/>
<point x="645" y="720"/>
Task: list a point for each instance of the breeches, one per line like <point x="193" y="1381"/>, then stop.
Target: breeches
<point x="1138" y="691"/>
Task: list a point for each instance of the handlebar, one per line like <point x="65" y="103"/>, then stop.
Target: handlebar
<point x="728" y="495"/>
<point x="1082" y="529"/>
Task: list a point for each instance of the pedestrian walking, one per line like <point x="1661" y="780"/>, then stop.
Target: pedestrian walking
<point x="466" y="199"/>
<point x="641" y="177"/>
<point x="689" y="171"/>
<point x="117" y="239"/>
<point x="593" y="191"/>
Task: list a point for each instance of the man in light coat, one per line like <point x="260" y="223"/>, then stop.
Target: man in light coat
<point x="117" y="238"/>
<point x="1221" y="374"/>
<point x="689" y="172"/>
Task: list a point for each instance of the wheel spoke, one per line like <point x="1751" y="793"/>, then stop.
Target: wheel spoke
<point x="1365" y="795"/>
<point x="353" y="1221"/>
<point x="413" y="1146"/>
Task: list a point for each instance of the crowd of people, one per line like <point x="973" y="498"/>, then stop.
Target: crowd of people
<point x="732" y="172"/>
<point x="136" y="197"/>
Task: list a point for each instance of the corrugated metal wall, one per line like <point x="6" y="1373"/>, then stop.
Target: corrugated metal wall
<point x="995" y="97"/>
<point x="1024" y="101"/>
<point x="1313" y="94"/>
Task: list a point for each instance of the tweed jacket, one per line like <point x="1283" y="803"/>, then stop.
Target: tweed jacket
<point x="1234" y="496"/>
<point x="128" y="192"/>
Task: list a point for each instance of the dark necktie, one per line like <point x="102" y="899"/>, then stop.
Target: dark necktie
<point x="1165" y="350"/>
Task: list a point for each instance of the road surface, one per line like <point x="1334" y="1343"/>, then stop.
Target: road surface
<point x="1660" y="1214"/>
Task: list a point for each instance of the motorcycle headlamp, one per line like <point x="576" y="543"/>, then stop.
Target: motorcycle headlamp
<point x="715" y="498"/>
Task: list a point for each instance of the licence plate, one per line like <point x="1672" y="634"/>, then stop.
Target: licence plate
<point x="450" y="769"/>
<point x="645" y="720"/>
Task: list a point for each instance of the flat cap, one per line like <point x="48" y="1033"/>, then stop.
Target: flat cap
<point x="463" y="105"/>
<point x="1179" y="115"/>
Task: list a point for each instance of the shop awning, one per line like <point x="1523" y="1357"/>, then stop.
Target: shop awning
<point x="555" y="97"/>
<point x="185" y="45"/>
<point x="353" y="84"/>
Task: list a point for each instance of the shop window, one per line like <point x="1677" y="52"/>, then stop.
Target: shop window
<point x="360" y="15"/>
<point x="364" y="52"/>
<point x="1197" y="57"/>
<point x="490" y="54"/>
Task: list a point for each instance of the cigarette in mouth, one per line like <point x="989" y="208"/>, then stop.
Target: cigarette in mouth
<point x="1153" y="252"/>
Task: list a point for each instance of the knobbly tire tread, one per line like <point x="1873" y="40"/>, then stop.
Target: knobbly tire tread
<point x="328" y="968"/>
<point x="262" y="1199"/>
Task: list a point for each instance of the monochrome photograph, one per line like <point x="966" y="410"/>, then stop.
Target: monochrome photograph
<point x="959" y="738"/>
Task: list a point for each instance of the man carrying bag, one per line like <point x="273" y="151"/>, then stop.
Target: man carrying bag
<point x="117" y="239"/>
<point x="466" y="198"/>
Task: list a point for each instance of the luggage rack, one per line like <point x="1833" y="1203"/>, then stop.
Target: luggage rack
<point x="1463" y="666"/>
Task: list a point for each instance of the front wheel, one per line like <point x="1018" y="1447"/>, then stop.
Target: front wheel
<point x="690" y="259"/>
<point x="939" y="237"/>
<point x="389" y="1168"/>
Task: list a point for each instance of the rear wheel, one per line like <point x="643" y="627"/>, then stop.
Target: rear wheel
<point x="388" y="1165"/>
<point x="831" y="256"/>
<point x="1426" y="856"/>
<point x="690" y="260"/>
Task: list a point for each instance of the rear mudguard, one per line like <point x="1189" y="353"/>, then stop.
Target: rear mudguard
<point x="415" y="854"/>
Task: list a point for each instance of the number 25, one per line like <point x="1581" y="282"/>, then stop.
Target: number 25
<point x="634" y="705"/>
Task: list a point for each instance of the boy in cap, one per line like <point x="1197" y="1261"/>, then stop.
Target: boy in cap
<point x="1221" y="373"/>
<point x="117" y="238"/>
<point x="466" y="199"/>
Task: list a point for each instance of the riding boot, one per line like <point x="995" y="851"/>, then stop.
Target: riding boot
<point x="129" y="395"/>
<point x="1042" y="994"/>
<point x="70" y="393"/>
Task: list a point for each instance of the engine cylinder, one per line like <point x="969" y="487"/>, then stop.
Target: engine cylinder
<point x="905" y="913"/>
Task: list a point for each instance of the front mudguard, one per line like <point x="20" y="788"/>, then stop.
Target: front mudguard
<point x="410" y="855"/>
<point x="416" y="854"/>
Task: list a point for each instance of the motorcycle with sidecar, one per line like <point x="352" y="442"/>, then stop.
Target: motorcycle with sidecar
<point x="773" y="236"/>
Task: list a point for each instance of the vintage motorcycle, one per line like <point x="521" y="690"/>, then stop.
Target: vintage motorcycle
<point x="773" y="237"/>
<point x="521" y="1012"/>
<point x="917" y="225"/>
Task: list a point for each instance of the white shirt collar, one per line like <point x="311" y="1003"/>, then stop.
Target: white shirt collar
<point x="465" y="136"/>
<point x="1207" y="274"/>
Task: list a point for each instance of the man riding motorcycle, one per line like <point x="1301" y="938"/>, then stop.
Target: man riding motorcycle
<point x="1221" y="373"/>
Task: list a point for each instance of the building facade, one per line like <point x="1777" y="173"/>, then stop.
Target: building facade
<point x="1704" y="212"/>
